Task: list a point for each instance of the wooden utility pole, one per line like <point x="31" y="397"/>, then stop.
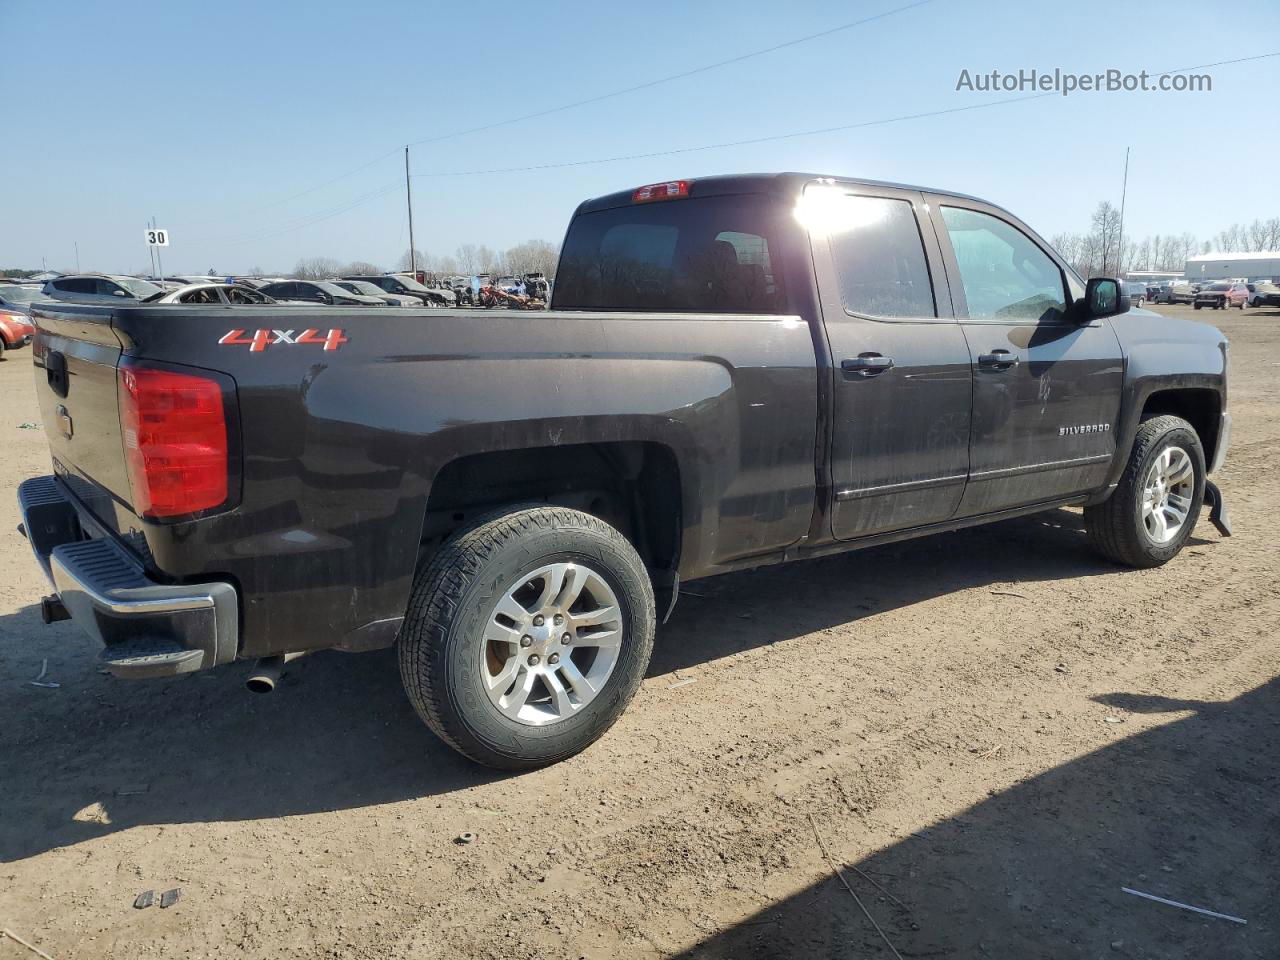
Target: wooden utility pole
<point x="408" y="199"/>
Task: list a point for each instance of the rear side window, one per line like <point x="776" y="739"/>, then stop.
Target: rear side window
<point x="711" y="254"/>
<point x="880" y="258"/>
<point x="80" y="285"/>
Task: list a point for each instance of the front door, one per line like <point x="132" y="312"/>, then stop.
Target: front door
<point x="901" y="371"/>
<point x="1046" y="388"/>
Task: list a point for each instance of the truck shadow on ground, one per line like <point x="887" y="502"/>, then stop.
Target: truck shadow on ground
<point x="97" y="755"/>
<point x="1186" y="811"/>
<point x="726" y="615"/>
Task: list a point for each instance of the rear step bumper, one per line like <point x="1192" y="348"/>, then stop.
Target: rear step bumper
<point x="148" y="629"/>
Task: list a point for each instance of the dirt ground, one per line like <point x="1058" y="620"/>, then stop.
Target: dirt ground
<point x="997" y="728"/>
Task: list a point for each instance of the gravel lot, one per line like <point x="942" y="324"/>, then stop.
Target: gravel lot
<point x="996" y="727"/>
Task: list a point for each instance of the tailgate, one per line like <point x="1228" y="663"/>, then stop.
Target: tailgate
<point x="75" y="352"/>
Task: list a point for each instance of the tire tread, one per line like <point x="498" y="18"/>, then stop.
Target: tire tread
<point x="1109" y="525"/>
<point x="433" y="604"/>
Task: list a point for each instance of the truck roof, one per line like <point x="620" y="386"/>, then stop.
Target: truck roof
<point x="786" y="185"/>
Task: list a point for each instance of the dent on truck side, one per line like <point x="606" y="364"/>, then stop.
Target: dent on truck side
<point x="732" y="398"/>
<point x="1169" y="361"/>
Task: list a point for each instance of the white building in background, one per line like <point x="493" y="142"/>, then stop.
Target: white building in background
<point x="1224" y="266"/>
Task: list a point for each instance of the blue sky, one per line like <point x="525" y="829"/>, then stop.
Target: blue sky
<point x="213" y="116"/>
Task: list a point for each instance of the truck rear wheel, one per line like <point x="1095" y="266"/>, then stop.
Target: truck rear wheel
<point x="1151" y="513"/>
<point x="527" y="636"/>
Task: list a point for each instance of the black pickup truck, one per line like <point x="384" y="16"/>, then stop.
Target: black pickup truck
<point x="735" y="371"/>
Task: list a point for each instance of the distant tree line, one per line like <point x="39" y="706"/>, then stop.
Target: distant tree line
<point x="470" y="259"/>
<point x="1102" y="251"/>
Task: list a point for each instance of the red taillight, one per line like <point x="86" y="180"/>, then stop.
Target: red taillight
<point x="175" y="441"/>
<point x="671" y="190"/>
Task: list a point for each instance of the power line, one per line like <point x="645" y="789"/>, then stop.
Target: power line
<point x="802" y="133"/>
<point x="312" y="219"/>
<point x="648" y="84"/>
<point x="320" y="186"/>
<point x="735" y="143"/>
<point x="604" y="96"/>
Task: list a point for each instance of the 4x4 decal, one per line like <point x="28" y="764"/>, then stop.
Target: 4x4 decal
<point x="262" y="339"/>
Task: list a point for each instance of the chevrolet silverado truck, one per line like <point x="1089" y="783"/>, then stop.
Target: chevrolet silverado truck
<point x="736" y="371"/>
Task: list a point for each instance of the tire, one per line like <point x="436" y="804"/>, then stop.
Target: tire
<point x="1196" y="306"/>
<point x="451" y="664"/>
<point x="1117" y="528"/>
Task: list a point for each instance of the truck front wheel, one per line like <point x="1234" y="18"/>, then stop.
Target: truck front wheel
<point x="527" y="635"/>
<point x="1151" y="513"/>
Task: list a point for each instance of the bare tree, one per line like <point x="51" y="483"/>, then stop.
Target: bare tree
<point x="360" y="268"/>
<point x="316" y="268"/>
<point x="1258" y="236"/>
<point x="532" y="255"/>
<point x="408" y="258"/>
<point x="1106" y="234"/>
<point x="467" y="260"/>
<point x="487" y="261"/>
<point x="1273" y="234"/>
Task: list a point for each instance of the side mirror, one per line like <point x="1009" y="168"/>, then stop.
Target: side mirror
<point x="118" y="293"/>
<point x="1104" y="297"/>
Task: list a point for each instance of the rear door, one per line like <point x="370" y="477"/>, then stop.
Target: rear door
<point x="902" y="392"/>
<point x="1046" y="389"/>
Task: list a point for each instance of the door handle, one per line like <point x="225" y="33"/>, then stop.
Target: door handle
<point x="866" y="364"/>
<point x="998" y="359"/>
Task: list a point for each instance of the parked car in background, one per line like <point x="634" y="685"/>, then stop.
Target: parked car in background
<point x="367" y="289"/>
<point x="318" y="291"/>
<point x="1216" y="295"/>
<point x="1180" y="291"/>
<point x="100" y="288"/>
<point x="16" y="330"/>
<point x="1263" y="295"/>
<point x="535" y="285"/>
<point x="226" y="294"/>
<point x="407" y="285"/>
<point x="18" y="297"/>
<point x="1137" y="293"/>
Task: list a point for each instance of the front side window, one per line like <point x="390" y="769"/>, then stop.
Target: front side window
<point x="1005" y="276"/>
<point x="879" y="256"/>
<point x="711" y="254"/>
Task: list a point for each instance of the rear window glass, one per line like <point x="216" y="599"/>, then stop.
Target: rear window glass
<point x="713" y="255"/>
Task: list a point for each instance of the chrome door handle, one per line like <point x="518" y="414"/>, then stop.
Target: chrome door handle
<point x="998" y="360"/>
<point x="866" y="364"/>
